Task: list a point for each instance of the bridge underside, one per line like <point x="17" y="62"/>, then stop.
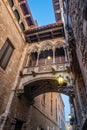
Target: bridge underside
<point x="46" y="85"/>
<point x="38" y="34"/>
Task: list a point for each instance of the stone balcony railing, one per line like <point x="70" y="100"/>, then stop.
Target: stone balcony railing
<point x="51" y="68"/>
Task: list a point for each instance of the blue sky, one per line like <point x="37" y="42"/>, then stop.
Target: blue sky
<point x="42" y="11"/>
<point x="67" y="106"/>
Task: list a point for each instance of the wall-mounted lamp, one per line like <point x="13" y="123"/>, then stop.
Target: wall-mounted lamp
<point x="61" y="80"/>
<point x="69" y="116"/>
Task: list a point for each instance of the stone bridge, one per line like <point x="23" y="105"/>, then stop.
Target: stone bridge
<point x="41" y="75"/>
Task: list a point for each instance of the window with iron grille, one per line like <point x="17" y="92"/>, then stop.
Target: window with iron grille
<point x="5" y="53"/>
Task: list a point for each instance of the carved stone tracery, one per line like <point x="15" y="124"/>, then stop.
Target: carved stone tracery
<point x="47" y="46"/>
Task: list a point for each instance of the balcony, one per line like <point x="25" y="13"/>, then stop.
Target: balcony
<point x="47" y="66"/>
<point x="46" y="58"/>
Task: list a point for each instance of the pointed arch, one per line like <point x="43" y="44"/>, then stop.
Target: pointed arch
<point x="46" y="84"/>
<point x="33" y="49"/>
<point x="60" y="44"/>
<point x="47" y="45"/>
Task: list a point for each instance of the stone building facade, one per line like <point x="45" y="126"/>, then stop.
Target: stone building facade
<point x="47" y="112"/>
<point x="75" y="21"/>
<point x="77" y="38"/>
<point x="16" y="111"/>
<point x="9" y="27"/>
<point x="28" y="70"/>
<point x="58" y="10"/>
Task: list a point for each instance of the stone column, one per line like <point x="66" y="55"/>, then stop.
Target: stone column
<point x="76" y="111"/>
<point x="65" y="50"/>
<point x="27" y="61"/>
<point x="53" y="54"/>
<point x="37" y="62"/>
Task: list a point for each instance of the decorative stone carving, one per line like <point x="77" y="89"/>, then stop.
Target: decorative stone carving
<point x="19" y="93"/>
<point x="24" y="126"/>
<point x="47" y="45"/>
<point x="13" y="122"/>
<point x="2" y="119"/>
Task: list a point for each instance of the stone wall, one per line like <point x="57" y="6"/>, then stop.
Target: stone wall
<point x="37" y="114"/>
<point x="9" y="28"/>
<point x="77" y="13"/>
<point x="44" y="116"/>
<point x="77" y="10"/>
<point x="14" y="107"/>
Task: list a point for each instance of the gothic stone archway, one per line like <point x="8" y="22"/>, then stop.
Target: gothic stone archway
<point x="41" y="85"/>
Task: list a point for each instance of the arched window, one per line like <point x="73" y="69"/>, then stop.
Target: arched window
<point x="46" y="57"/>
<point x="17" y="14"/>
<point x="59" y="55"/>
<point x="33" y="59"/>
<point x="42" y="58"/>
<point x="49" y="56"/>
<point x="30" y="63"/>
<point x="11" y="3"/>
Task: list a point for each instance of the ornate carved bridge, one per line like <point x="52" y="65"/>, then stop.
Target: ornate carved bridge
<point x="47" y="62"/>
